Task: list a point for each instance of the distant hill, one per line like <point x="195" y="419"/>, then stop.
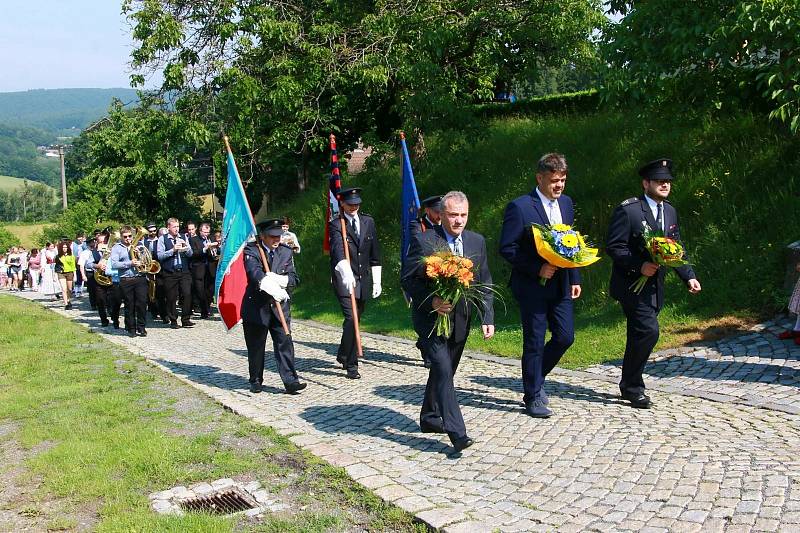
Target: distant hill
<point x="60" y="110"/>
<point x="8" y="183"/>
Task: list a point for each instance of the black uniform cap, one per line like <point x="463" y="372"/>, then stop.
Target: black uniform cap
<point x="151" y="227"/>
<point x="271" y="227"/>
<point x="350" y="196"/>
<point x="660" y="169"/>
<point x="433" y="202"/>
<point x="65" y="238"/>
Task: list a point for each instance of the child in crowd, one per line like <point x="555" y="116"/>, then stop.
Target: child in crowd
<point x="794" y="307"/>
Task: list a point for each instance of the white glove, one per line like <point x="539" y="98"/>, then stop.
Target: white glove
<point x="271" y="287"/>
<point x="282" y="281"/>
<point x="376" y="281"/>
<point x="346" y="274"/>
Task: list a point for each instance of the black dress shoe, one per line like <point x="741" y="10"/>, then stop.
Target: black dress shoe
<point x="141" y="332"/>
<point x="427" y="363"/>
<point x="165" y="320"/>
<point x="255" y="387"/>
<point x="187" y="324"/>
<point x="174" y="325"/>
<point x="461" y="443"/>
<point x="427" y="427"/>
<point x="294" y="388"/>
<point x="639" y="400"/>
<point x="116" y="325"/>
<point x="342" y="362"/>
<point x="131" y="333"/>
<point x="104" y="323"/>
<point x="353" y="374"/>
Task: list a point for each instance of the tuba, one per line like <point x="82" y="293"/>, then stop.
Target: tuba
<point x="147" y="265"/>
<point x="99" y="273"/>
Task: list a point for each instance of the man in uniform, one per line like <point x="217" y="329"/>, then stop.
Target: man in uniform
<point x="157" y="307"/>
<point x="131" y="282"/>
<point x="265" y="290"/>
<point x="432" y="207"/>
<point x="440" y="410"/>
<point x="361" y="276"/>
<point x="202" y="248"/>
<point x="626" y="247"/>
<point x="541" y="306"/>
<point x="173" y="254"/>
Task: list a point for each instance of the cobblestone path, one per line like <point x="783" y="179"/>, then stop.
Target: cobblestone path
<point x="689" y="464"/>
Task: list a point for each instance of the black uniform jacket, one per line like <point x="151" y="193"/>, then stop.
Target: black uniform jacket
<point x="365" y="253"/>
<point x="417" y="285"/>
<point x="626" y="247"/>
<point x="257" y="305"/>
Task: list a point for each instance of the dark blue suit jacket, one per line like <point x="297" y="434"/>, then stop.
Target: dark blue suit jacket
<point x="518" y="248"/>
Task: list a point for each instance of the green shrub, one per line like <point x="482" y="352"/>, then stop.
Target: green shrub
<point x="577" y="102"/>
<point x="7" y="240"/>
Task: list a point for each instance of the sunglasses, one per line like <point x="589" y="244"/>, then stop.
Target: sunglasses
<point x="127" y="236"/>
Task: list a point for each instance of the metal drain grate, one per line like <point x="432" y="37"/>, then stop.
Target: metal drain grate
<point x="226" y="501"/>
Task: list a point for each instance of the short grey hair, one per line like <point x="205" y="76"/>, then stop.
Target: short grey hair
<point x="552" y="162"/>
<point x="172" y="220"/>
<point x="454" y="196"/>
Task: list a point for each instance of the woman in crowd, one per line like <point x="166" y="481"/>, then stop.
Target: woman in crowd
<point x="49" y="285"/>
<point x="65" y="270"/>
<point x="35" y="268"/>
<point x="14" y="262"/>
<point x="3" y="271"/>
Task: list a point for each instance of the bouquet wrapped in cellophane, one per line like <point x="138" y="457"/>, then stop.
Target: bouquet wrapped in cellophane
<point x="562" y="246"/>
<point x="663" y="250"/>
<point x="453" y="279"/>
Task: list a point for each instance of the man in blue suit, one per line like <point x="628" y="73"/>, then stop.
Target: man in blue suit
<point x="541" y="306"/>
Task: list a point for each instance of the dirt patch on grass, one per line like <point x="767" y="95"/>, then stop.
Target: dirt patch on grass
<point x="711" y="330"/>
<point x="22" y="506"/>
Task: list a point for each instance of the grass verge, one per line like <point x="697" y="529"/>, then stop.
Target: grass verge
<point x="88" y="430"/>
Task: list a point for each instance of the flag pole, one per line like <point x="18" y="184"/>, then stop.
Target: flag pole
<point x="346" y="247"/>
<point x="265" y="264"/>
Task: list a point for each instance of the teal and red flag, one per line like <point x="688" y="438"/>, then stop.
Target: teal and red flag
<point x="238" y="227"/>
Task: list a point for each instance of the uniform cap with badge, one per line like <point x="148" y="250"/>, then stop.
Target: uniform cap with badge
<point x="658" y="170"/>
<point x="350" y="196"/>
<point x="432" y="202"/>
<point x="271" y="226"/>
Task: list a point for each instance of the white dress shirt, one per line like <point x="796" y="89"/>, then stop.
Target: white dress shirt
<point x="551" y="208"/>
<point x="654" y="209"/>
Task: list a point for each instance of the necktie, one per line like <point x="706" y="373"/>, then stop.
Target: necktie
<point x="355" y="225"/>
<point x="271" y="257"/>
<point x="177" y="256"/>
<point x="457" y="249"/>
<point x="554" y="214"/>
<point x="660" y="217"/>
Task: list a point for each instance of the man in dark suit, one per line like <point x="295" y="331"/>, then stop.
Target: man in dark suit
<point x="440" y="411"/>
<point x="264" y="292"/>
<point x="173" y="254"/>
<point x="360" y="276"/>
<point x="202" y="247"/>
<point x="432" y="206"/>
<point x="626" y="247"/>
<point x="541" y="306"/>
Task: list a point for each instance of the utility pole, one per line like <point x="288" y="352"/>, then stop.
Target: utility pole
<point x="63" y="178"/>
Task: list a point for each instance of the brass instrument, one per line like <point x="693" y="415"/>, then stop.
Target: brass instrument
<point x="147" y="265"/>
<point x="100" y="272"/>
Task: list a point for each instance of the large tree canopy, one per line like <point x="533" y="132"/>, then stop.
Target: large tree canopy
<point x="279" y="75"/>
<point x="708" y="52"/>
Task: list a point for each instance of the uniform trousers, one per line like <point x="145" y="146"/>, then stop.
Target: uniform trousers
<point x="200" y="301"/>
<point x="134" y="292"/>
<point x="178" y="285"/>
<point x="91" y="288"/>
<point x="255" y="337"/>
<point x="158" y="307"/>
<point x="440" y="405"/>
<point x="348" y="351"/>
<point x="538" y="358"/>
<point x="115" y="300"/>
<point x="642" y="336"/>
<point x="102" y="297"/>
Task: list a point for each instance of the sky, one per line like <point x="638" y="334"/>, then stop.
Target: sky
<point x="49" y="44"/>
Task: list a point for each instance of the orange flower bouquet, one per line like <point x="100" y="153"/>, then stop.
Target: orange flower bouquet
<point x="453" y="279"/>
<point x="663" y="250"/>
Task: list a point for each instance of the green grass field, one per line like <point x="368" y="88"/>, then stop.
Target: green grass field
<point x="88" y="430"/>
<point x="737" y="192"/>
<point x="9" y="183"/>
<point x="26" y="233"/>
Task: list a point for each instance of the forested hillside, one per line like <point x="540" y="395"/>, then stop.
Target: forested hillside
<point x="62" y="111"/>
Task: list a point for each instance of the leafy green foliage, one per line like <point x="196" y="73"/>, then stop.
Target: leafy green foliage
<point x="7" y="240"/>
<point x="277" y="78"/>
<point x="32" y="201"/>
<point x="715" y="53"/>
<point x="19" y="158"/>
<point x="578" y="102"/>
<point x="133" y="165"/>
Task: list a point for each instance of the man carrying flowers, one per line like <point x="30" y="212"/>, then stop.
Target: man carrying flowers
<point x="446" y="273"/>
<point x="546" y="304"/>
<point x="632" y="226"/>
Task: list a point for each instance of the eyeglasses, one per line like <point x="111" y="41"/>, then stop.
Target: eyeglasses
<point x="127" y="236"/>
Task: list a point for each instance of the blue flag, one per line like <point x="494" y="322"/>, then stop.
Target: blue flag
<point x="238" y="228"/>
<point x="409" y="206"/>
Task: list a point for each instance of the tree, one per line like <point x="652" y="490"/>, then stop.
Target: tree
<point x="714" y="52"/>
<point x="134" y="161"/>
<point x="277" y="76"/>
